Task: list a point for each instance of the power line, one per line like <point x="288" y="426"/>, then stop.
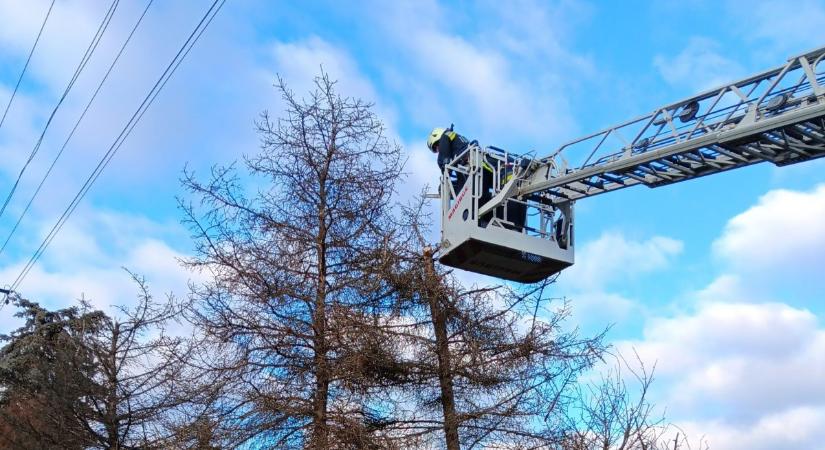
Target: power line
<point x="26" y="66"/>
<point x="190" y="42"/>
<point x="83" y="61"/>
<point x="82" y="115"/>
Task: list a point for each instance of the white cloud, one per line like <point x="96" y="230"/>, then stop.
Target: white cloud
<point x="734" y="367"/>
<point x="67" y="34"/>
<point x="301" y="61"/>
<point x="613" y="257"/>
<point x="601" y="265"/>
<point x="796" y="428"/>
<point x="485" y="86"/>
<point x="781" y="236"/>
<point x="203" y="116"/>
<point x="600" y="309"/>
<point x="699" y="66"/>
<point x="776" y="29"/>
<point x="737" y="366"/>
<point x="88" y="257"/>
<point x="730" y="288"/>
<point x="485" y="78"/>
<point x="215" y="89"/>
<point x="539" y="30"/>
<point x="422" y="167"/>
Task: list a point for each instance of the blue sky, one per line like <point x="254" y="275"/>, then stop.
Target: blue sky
<point x="718" y="280"/>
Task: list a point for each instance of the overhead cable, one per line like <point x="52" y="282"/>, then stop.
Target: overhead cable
<point x="77" y="123"/>
<point x="104" y="24"/>
<point x="197" y="32"/>
<point x="26" y="66"/>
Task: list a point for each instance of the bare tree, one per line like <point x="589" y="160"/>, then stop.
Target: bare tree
<point x="295" y="273"/>
<point x="141" y="380"/>
<point x="609" y="414"/>
<point x="505" y="359"/>
<point x="498" y="367"/>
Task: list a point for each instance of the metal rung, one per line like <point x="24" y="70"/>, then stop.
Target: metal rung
<point x="637" y="178"/>
<point x="732" y="153"/>
<point x="596" y="185"/>
<point x="612" y="179"/>
<point x="677" y="166"/>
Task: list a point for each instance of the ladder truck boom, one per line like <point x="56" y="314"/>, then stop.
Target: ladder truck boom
<point x="776" y="116"/>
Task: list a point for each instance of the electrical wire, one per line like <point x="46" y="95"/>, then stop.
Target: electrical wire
<point x="83" y="61"/>
<point x="26" y="66"/>
<point x="125" y="132"/>
<point x="77" y="123"/>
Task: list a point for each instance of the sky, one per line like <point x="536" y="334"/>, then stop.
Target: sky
<point x="717" y="281"/>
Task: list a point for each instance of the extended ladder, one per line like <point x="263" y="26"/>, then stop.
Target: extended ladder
<point x="776" y="116"/>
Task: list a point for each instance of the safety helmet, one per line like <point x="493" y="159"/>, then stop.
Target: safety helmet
<point x="434" y="137"/>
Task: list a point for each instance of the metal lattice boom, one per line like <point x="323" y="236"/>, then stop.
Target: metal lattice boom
<point x="776" y="116"/>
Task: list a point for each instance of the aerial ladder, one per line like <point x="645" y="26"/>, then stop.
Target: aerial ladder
<point x="511" y="216"/>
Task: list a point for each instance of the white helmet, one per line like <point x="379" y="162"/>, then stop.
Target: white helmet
<point x="434" y="137"/>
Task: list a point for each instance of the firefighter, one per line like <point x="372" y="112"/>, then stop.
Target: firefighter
<point x="448" y="144"/>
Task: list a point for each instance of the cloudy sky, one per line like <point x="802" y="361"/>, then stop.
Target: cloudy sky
<point x="719" y="281"/>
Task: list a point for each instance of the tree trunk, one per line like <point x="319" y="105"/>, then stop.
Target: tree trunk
<point x="112" y="431"/>
<point x="435" y="297"/>
<point x="320" y="431"/>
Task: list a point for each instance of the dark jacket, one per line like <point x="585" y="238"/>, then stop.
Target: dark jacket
<point x="450" y="145"/>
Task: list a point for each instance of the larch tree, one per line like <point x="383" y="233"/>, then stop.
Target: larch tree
<point x="141" y="378"/>
<point x="296" y="293"/>
<point x="498" y="366"/>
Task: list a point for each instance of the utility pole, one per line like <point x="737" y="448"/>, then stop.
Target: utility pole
<point x="437" y="298"/>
